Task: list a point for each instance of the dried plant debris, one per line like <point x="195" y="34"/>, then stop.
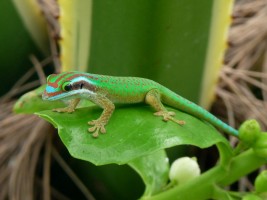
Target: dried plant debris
<point x="242" y="87"/>
<point x="22" y="137"/>
<point x="50" y="11"/>
<point x="21" y="140"/>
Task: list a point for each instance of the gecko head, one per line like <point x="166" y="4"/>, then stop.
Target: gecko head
<point x="67" y="85"/>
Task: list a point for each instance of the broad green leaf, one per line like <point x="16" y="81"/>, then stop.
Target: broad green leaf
<point x="131" y="133"/>
<point x="154" y="170"/>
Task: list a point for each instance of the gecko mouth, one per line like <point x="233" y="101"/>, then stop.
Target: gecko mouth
<point x="51" y="96"/>
<point x="45" y="96"/>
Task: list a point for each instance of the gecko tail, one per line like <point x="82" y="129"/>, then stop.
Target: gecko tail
<point x="176" y="101"/>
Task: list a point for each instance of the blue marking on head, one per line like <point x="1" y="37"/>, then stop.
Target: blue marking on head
<point x="50" y="89"/>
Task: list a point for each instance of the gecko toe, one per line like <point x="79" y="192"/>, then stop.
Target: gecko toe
<point x="92" y="129"/>
<point x="95" y="134"/>
<point x="91" y="123"/>
<point x="98" y="126"/>
<point x="102" y="129"/>
<point x="168" y="115"/>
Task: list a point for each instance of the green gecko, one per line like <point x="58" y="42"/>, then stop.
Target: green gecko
<point x="105" y="91"/>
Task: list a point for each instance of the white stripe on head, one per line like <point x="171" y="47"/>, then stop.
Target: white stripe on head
<point x="81" y="79"/>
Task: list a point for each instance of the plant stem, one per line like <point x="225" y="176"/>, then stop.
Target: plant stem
<point x="203" y="186"/>
<point x="241" y="165"/>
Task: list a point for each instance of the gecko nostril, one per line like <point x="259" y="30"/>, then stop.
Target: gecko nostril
<point x="81" y="86"/>
<point x="44" y="95"/>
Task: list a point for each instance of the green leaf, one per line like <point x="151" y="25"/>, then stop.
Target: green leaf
<point x="132" y="132"/>
<point x="154" y="170"/>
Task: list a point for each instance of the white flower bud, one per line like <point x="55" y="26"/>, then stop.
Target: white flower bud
<point x="183" y="170"/>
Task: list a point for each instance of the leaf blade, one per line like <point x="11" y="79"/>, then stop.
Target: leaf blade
<point x="131" y="133"/>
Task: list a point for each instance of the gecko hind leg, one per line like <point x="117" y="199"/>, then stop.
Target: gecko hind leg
<point x="153" y="98"/>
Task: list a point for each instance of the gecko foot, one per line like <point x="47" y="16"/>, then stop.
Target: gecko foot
<point x="64" y="110"/>
<point x="98" y="126"/>
<point x="168" y="115"/>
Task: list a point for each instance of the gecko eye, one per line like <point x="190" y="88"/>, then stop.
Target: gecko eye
<point x="66" y="86"/>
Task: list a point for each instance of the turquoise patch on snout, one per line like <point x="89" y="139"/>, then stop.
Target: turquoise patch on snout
<point x="50" y="89"/>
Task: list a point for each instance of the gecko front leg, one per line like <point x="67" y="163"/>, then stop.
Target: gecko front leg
<point x="153" y="99"/>
<point x="70" y="108"/>
<point x="100" y="123"/>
